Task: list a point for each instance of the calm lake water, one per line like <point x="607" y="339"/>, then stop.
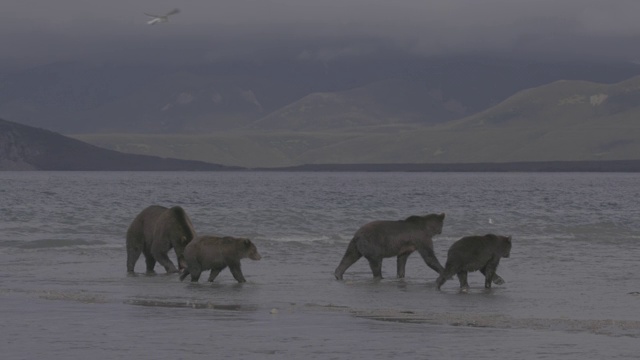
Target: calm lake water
<point x="572" y="282"/>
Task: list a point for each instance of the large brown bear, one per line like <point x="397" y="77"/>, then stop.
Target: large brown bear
<point x="473" y="253"/>
<point x="384" y="238"/>
<point x="216" y="253"/>
<point x="154" y="232"/>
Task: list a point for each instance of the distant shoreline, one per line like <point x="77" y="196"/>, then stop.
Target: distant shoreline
<point x="532" y="166"/>
<point x="167" y="164"/>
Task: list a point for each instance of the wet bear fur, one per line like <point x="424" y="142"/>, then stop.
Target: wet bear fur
<point x="386" y="238"/>
<point x="473" y="253"/>
<point x="216" y="253"/>
<point x="155" y="231"/>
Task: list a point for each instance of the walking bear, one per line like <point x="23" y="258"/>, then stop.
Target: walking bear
<point x="154" y="232"/>
<point x="385" y="238"/>
<point x="474" y="253"/>
<point x="216" y="253"/>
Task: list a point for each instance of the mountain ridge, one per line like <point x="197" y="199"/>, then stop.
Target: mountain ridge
<point x="83" y="97"/>
<point x="561" y="121"/>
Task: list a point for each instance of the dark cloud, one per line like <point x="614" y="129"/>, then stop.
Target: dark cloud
<point x="43" y="30"/>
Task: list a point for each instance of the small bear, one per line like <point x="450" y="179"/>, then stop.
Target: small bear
<point x="472" y="253"/>
<point x="216" y="253"/>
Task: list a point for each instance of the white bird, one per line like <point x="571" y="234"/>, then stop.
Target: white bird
<point x="161" y="18"/>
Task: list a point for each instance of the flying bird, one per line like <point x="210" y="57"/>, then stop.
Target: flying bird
<point x="161" y="18"/>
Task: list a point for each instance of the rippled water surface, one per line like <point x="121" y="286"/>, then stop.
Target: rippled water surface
<point x="572" y="282"/>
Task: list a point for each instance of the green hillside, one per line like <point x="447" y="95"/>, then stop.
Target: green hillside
<point x="564" y="120"/>
<point x="386" y="102"/>
<point x="249" y="149"/>
<point x="276" y="93"/>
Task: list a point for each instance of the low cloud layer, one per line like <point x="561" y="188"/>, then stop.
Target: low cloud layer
<point x="321" y="30"/>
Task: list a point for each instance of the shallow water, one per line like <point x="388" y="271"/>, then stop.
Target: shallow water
<point x="572" y="288"/>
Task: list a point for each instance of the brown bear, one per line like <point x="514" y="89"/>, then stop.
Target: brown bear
<point x="473" y="253"/>
<point x="385" y="238"/>
<point x="216" y="253"/>
<point x="154" y="232"/>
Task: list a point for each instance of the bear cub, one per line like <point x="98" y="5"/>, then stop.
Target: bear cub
<point x="216" y="253"/>
<point x="473" y="253"/>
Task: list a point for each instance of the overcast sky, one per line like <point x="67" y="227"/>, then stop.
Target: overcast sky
<point x="59" y="29"/>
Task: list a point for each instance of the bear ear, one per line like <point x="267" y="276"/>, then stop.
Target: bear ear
<point x="247" y="242"/>
<point x="442" y="216"/>
<point x="509" y="239"/>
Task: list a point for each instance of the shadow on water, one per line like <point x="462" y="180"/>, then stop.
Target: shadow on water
<point x="193" y="304"/>
<point x="615" y="328"/>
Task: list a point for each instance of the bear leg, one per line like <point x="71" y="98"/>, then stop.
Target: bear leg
<point x="164" y="260"/>
<point x="195" y="275"/>
<point x="490" y="270"/>
<point x="497" y="279"/>
<point x="150" y="261"/>
<point x="464" y="285"/>
<point x="214" y="273"/>
<point x="350" y="257"/>
<point x="236" y="271"/>
<point x="445" y="275"/>
<point x="133" y="253"/>
<point x="376" y="267"/>
<point x="184" y="274"/>
<point x="402" y="263"/>
<point x="430" y="259"/>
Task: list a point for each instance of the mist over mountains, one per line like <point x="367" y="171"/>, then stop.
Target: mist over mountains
<point x="266" y="101"/>
<point x="566" y="120"/>
<point x="276" y="93"/>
